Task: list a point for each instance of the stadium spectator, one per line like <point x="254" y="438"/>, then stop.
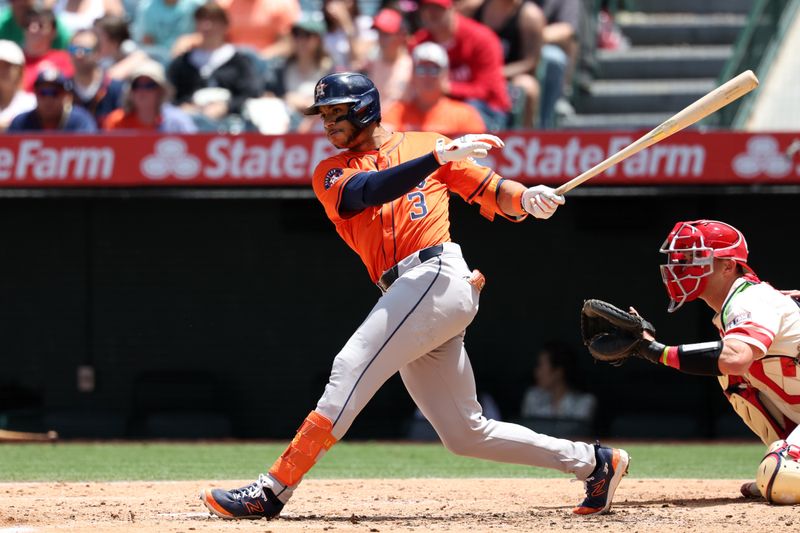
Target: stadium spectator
<point x="520" y="25"/>
<point x="391" y="70"/>
<point x="159" y="23"/>
<point x="118" y="54"/>
<point x="555" y="393"/>
<point x="14" y="20"/>
<point x="54" y="110"/>
<point x="295" y="79"/>
<point x="92" y="89"/>
<point x="350" y="36"/>
<point x="559" y="53"/>
<point x="13" y="100"/>
<point x="428" y="108"/>
<point x="476" y="59"/>
<point x="81" y="14"/>
<point x="214" y="73"/>
<point x="146" y="104"/>
<point x="40" y="29"/>
<point x="261" y="26"/>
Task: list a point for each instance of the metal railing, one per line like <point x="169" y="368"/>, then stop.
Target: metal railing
<point x="753" y="50"/>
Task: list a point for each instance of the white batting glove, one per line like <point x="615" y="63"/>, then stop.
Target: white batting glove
<point x="541" y="201"/>
<point x="468" y="146"/>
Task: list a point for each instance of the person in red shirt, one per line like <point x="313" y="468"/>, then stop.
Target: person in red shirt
<point x="40" y="28"/>
<point x="388" y="194"/>
<point x="428" y="108"/>
<point x="476" y="59"/>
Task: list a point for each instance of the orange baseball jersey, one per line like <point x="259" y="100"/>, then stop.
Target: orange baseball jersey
<point x="383" y="235"/>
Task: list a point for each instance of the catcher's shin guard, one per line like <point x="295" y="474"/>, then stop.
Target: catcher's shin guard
<point x="778" y="475"/>
<point x="312" y="439"/>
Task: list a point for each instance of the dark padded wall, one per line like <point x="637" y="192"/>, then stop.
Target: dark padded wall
<point x="224" y="315"/>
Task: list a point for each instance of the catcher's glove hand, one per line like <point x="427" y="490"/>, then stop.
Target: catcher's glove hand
<point x="613" y="335"/>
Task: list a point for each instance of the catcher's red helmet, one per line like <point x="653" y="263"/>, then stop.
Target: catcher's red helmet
<point x="691" y="248"/>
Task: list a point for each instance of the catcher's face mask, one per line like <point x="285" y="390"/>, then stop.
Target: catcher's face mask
<point x="691" y="248"/>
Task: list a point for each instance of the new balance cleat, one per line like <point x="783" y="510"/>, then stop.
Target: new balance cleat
<point x="612" y="464"/>
<point x="250" y="502"/>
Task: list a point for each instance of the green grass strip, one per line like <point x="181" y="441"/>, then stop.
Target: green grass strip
<point x="186" y="461"/>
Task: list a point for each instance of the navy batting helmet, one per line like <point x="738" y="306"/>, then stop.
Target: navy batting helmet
<point x="348" y="88"/>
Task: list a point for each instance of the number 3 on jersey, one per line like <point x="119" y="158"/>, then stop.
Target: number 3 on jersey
<point x="417" y="199"/>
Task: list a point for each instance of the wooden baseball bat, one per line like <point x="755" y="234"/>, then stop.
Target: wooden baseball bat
<point x="8" y="435"/>
<point x="714" y="100"/>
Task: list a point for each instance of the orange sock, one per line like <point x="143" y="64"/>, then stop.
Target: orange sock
<point x="312" y="438"/>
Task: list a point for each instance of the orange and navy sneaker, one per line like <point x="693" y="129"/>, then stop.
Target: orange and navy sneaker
<point x="612" y="464"/>
<point x="252" y="501"/>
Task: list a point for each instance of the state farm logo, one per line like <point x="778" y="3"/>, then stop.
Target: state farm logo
<point x="171" y="158"/>
<point x="763" y="156"/>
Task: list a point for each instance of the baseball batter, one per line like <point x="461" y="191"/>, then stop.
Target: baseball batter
<point x="387" y="195"/>
<point x="757" y="358"/>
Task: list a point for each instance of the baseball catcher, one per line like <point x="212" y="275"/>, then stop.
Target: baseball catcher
<point x="756" y="360"/>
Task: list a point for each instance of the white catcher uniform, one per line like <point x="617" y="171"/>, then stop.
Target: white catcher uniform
<point x="767" y="397"/>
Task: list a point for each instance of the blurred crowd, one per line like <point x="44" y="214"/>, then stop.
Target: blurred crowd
<point x="183" y="66"/>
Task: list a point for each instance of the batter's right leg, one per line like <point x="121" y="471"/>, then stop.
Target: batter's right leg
<point x="443" y="386"/>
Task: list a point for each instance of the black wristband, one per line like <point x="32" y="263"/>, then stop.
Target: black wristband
<point x="650" y="350"/>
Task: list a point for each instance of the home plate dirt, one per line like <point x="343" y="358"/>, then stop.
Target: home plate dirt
<point x="395" y="505"/>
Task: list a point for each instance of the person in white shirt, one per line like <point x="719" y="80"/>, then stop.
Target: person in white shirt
<point x="13" y="100"/>
<point x="554" y="394"/>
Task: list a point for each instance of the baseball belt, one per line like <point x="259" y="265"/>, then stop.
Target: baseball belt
<point x="391" y="275"/>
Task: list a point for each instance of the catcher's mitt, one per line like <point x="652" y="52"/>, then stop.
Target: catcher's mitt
<point x="611" y="334"/>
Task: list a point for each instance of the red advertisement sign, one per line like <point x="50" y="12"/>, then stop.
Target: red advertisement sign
<point x="687" y="158"/>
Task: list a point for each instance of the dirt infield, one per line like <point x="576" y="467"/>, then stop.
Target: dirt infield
<point x="417" y="505"/>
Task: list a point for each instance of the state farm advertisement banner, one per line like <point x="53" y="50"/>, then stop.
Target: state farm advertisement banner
<point x="687" y="158"/>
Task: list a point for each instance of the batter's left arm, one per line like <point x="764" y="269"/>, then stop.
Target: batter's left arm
<point x="514" y="199"/>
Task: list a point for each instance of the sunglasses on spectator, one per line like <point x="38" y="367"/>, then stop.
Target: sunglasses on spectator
<point x="297" y="32"/>
<point x="51" y="92"/>
<point x="427" y="70"/>
<point x="77" y="50"/>
<point x="147" y="85"/>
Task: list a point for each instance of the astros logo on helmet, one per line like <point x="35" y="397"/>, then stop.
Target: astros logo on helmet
<point x="350" y="88"/>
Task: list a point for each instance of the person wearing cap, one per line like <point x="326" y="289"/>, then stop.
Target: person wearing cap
<point x="146" y="105"/>
<point x="755" y="357"/>
<point x="475" y="56"/>
<point x="391" y="70"/>
<point x="40" y="28"/>
<point x="54" y="109"/>
<point x="214" y="64"/>
<point x="92" y="89"/>
<point x="13" y="100"/>
<point x="293" y="81"/>
<point x="14" y="20"/>
<point x="428" y="108"/>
